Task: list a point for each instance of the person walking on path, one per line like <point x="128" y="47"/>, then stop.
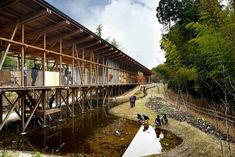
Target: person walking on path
<point x="132" y="101"/>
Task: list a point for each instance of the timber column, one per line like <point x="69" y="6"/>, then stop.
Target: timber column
<point x="1" y="107"/>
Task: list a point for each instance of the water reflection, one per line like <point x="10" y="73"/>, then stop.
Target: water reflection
<point x="149" y="141"/>
<point x="95" y="133"/>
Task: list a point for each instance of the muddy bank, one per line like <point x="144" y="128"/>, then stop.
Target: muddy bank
<point x="195" y="142"/>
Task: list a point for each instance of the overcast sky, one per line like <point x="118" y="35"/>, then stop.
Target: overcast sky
<point x="132" y="23"/>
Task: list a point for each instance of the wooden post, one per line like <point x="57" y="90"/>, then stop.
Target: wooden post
<point x="83" y="68"/>
<point x="44" y="59"/>
<point x="22" y="111"/>
<point x="91" y="97"/>
<point x="97" y="97"/>
<point x="83" y="100"/>
<point x="22" y="58"/>
<point x="90" y="69"/>
<point x="73" y="96"/>
<point x="97" y="71"/>
<point x="44" y="107"/>
<point x="103" y="72"/>
<point x="73" y="65"/>
<point x="60" y="102"/>
<point x="60" y="71"/>
<point x="1" y="108"/>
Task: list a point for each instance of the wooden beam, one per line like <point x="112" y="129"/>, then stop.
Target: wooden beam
<point x="63" y="36"/>
<point x="8" y="47"/>
<point x="7" y="3"/>
<point x="112" y="53"/>
<point x="26" y="18"/>
<point x="96" y="48"/>
<point x="110" y="50"/>
<point x="8" y="114"/>
<point x="122" y="57"/>
<point x="88" y="44"/>
<point x="48" y="28"/>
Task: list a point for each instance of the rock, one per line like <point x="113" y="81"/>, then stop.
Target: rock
<point x="118" y="133"/>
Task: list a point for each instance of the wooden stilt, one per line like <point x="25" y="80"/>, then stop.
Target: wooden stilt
<point x="73" y="101"/>
<point x="44" y="109"/>
<point x="1" y="108"/>
<point x="22" y="112"/>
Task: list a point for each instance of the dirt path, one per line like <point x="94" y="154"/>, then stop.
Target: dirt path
<point x="195" y="142"/>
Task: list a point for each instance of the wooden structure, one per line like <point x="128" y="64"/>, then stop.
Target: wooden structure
<point x="83" y="65"/>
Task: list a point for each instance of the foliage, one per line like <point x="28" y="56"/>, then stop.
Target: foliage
<point x="99" y="30"/>
<point x="168" y="10"/>
<point x="10" y="62"/>
<point x="115" y="43"/>
<point x="37" y="154"/>
<point x="199" y="48"/>
<point x="112" y="42"/>
<point x="7" y="154"/>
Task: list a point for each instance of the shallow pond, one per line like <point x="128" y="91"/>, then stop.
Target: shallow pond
<point x="96" y="133"/>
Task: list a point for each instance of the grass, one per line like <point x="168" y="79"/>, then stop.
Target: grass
<point x="18" y="154"/>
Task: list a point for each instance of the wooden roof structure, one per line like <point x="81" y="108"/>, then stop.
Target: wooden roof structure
<point x="39" y="17"/>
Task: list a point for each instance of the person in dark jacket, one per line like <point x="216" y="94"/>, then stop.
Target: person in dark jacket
<point x="146" y="118"/>
<point x="164" y="119"/>
<point x="34" y="74"/>
<point x="158" y="121"/>
<point x="132" y="100"/>
<point x="66" y="73"/>
<point x="140" y="118"/>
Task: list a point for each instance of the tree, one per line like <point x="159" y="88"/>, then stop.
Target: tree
<point x="99" y="30"/>
<point x="168" y="10"/>
<point x="10" y="63"/>
<point x="115" y="43"/>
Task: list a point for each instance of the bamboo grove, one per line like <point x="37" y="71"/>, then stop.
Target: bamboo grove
<point x="199" y="45"/>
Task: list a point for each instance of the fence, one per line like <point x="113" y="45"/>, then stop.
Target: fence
<point x="210" y="112"/>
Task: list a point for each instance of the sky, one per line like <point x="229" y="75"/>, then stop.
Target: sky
<point x="132" y="23"/>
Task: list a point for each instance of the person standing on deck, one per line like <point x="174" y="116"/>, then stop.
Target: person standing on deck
<point x="66" y="72"/>
<point x="34" y="74"/>
<point x="25" y="75"/>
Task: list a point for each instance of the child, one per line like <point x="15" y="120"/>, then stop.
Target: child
<point x="140" y="118"/>
<point x="164" y="119"/>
